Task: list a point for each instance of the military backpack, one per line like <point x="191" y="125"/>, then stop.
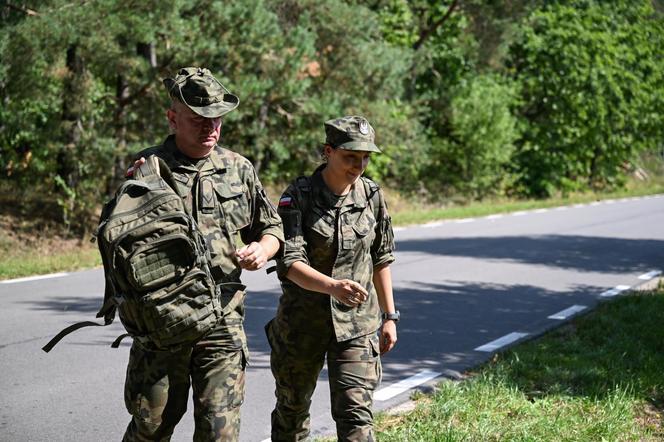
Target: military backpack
<point x="156" y="265"/>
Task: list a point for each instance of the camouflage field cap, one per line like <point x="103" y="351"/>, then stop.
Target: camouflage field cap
<point x="350" y="133"/>
<point x="201" y="92"/>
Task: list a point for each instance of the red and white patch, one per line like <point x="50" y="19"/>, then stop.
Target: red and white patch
<point x="285" y="201"/>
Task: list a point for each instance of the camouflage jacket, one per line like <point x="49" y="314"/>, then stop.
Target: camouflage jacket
<point x="342" y="237"/>
<point x="226" y="198"/>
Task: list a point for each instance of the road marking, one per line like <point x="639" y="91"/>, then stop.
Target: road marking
<point x="561" y="208"/>
<point x="464" y="220"/>
<point x="564" y="314"/>
<point x="576" y="206"/>
<point x="540" y="211"/>
<point x="34" y="278"/>
<point x="404" y="385"/>
<point x="615" y="291"/>
<point x="595" y="203"/>
<point x="650" y="275"/>
<point x="501" y="342"/>
<point x="434" y="224"/>
<point x="519" y="213"/>
<point x="494" y="216"/>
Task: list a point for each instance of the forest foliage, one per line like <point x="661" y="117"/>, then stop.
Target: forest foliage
<point x="470" y="99"/>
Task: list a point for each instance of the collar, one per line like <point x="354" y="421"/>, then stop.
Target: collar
<point x="177" y="160"/>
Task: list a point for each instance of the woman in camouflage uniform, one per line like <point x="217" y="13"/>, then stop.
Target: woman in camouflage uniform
<point x="336" y="281"/>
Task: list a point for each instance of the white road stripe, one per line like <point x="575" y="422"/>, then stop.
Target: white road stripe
<point x="464" y="220"/>
<point x="650" y="275"/>
<point x="519" y="213"/>
<point x="564" y="314"/>
<point x="33" y="278"/>
<point x="501" y="342"/>
<point x="540" y="211"/>
<point x="404" y="385"/>
<point x="576" y="206"/>
<point x="494" y="216"/>
<point x="615" y="291"/>
<point x="434" y="224"/>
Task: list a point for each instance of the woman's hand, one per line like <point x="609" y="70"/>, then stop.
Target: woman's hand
<point x="349" y="292"/>
<point x="388" y="336"/>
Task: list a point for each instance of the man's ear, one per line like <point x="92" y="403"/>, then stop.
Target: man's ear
<point x="172" y="123"/>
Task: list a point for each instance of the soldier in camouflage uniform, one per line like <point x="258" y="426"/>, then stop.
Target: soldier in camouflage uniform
<point x="336" y="280"/>
<point x="225" y="196"/>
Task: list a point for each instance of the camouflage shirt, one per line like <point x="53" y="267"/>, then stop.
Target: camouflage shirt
<point x="226" y="198"/>
<point x="342" y="237"/>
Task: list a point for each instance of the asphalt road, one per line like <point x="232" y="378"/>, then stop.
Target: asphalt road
<point x="465" y="288"/>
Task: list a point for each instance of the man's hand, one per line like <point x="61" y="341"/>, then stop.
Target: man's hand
<point x="252" y="256"/>
<point x="349" y="292"/>
<point x="137" y="164"/>
<point x="388" y="336"/>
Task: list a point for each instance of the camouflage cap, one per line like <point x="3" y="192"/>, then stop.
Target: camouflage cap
<point x="201" y="92"/>
<point x="350" y="133"/>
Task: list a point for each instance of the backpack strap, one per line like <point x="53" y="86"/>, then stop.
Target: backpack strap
<point x="371" y="190"/>
<point x="153" y="168"/>
<point x="68" y="330"/>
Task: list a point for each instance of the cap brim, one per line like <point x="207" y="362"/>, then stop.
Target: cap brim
<point x="364" y="146"/>
<point x="216" y="110"/>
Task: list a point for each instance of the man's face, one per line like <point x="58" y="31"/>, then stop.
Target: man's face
<point x="195" y="136"/>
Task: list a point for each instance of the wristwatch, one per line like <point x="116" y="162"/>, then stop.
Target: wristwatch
<point x="391" y="316"/>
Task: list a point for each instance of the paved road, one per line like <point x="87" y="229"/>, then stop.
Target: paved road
<point x="465" y="288"/>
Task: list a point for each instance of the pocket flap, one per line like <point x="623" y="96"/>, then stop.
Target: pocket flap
<point x="230" y="191"/>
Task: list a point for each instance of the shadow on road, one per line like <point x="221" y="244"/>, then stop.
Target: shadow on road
<point x="584" y="253"/>
<point x="446" y="321"/>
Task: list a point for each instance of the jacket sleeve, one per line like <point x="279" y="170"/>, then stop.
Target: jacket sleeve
<point x="294" y="243"/>
<point x="382" y="249"/>
<point x="264" y="217"/>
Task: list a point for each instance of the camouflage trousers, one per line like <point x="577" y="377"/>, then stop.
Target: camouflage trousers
<point x="354" y="371"/>
<point x="158" y="382"/>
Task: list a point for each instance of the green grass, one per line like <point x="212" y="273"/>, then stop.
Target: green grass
<point x="601" y="378"/>
<point x="16" y="263"/>
<point x="409" y="215"/>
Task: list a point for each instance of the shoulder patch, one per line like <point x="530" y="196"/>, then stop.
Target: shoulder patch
<point x="285" y="201"/>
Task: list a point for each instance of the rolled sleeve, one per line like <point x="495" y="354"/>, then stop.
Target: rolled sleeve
<point x="294" y="243"/>
<point x="382" y="248"/>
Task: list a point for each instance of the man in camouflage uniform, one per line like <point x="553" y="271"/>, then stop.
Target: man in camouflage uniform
<point x="225" y="196"/>
<point x="335" y="280"/>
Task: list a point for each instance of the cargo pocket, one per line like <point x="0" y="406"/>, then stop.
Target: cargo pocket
<point x="235" y="207"/>
<point x="374" y="368"/>
<point x="364" y="230"/>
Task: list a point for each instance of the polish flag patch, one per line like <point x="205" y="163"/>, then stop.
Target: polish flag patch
<point x="285" y="201"/>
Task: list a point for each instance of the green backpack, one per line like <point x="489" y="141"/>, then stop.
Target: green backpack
<point x="156" y="265"/>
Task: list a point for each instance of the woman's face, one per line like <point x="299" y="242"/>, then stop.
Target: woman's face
<point x="346" y="165"/>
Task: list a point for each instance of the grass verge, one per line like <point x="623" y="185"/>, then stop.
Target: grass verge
<point x="404" y="213"/>
<point x="598" y="378"/>
<point x="29" y="245"/>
